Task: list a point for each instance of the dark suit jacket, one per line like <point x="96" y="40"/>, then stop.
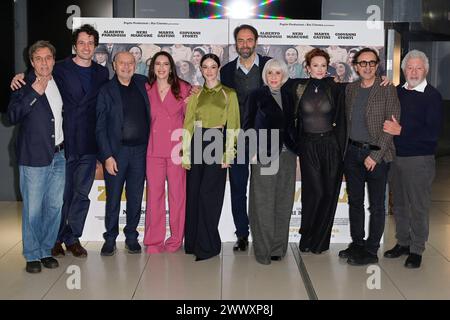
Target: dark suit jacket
<point x="79" y="107"/>
<point x="110" y="115"/>
<point x="336" y="95"/>
<point x="228" y="70"/>
<point x="263" y="112"/>
<point x="382" y="104"/>
<point x="35" y="145"/>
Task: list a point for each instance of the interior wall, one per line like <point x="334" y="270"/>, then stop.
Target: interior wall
<point x="438" y="53"/>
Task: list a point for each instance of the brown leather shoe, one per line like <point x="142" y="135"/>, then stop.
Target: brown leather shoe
<point x="58" y="250"/>
<point x="77" y="250"/>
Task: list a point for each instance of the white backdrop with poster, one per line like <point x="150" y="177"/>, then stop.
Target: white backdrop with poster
<point x="152" y="35"/>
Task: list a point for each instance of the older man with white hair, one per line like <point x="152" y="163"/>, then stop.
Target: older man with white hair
<point x="123" y="126"/>
<point x="414" y="167"/>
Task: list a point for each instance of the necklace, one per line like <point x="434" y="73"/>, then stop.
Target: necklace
<point x="316" y="88"/>
<point x="161" y="90"/>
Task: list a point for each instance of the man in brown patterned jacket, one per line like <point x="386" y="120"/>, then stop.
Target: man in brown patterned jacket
<point x="368" y="153"/>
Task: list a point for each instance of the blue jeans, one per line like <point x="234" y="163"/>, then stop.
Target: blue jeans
<point x="80" y="174"/>
<point x="356" y="176"/>
<point x="42" y="202"/>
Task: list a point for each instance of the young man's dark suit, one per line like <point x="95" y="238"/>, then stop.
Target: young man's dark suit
<point x="79" y="143"/>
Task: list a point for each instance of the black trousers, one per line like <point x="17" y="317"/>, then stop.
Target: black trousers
<point x="321" y="170"/>
<point x="204" y="200"/>
<point x="356" y="176"/>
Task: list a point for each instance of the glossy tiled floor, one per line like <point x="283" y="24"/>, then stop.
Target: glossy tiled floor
<point x="232" y="275"/>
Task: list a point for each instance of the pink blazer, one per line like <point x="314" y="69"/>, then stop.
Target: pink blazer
<point x="166" y="116"/>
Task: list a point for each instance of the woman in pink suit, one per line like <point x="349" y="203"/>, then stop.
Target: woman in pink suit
<point x="167" y="94"/>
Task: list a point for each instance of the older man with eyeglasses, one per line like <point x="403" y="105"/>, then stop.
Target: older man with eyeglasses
<point x="368" y="153"/>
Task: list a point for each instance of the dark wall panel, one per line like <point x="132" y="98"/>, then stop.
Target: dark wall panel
<point x="6" y="55"/>
<point x="9" y="189"/>
<point x="49" y="19"/>
<point x="436" y="16"/>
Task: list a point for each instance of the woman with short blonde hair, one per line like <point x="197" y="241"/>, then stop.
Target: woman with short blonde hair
<point x="272" y="182"/>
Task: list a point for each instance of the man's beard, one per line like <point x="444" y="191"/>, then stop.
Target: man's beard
<point x="245" y="54"/>
<point x="412" y="83"/>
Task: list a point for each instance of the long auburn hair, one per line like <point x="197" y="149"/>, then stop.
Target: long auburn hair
<point x="173" y="79"/>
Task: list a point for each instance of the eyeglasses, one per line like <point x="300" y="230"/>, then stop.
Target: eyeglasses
<point x="364" y="64"/>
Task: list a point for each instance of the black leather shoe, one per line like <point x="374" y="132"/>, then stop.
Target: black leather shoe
<point x="413" y="261"/>
<point x="33" y="267"/>
<point x="396" y="251"/>
<point x="77" y="250"/>
<point x="133" y="247"/>
<point x="108" y="249"/>
<point x="50" y="263"/>
<point x="276" y="258"/>
<point x="351" y="250"/>
<point x="241" y="244"/>
<point x="362" y="258"/>
<point x="58" y="250"/>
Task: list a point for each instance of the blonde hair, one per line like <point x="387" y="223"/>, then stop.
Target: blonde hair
<point x="275" y="64"/>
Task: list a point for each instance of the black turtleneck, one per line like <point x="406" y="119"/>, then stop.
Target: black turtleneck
<point x="135" y="128"/>
<point x="316" y="108"/>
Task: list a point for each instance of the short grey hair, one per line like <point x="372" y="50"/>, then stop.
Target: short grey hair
<point x="416" y="54"/>
<point x="274" y="64"/>
<point x="39" y="45"/>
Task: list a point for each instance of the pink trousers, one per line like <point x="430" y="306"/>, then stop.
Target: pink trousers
<point x="158" y="170"/>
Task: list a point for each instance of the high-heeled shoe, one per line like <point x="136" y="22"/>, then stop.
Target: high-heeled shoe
<point x="200" y="259"/>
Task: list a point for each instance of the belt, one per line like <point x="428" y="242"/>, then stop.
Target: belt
<point x="363" y="145"/>
<point x="59" y="147"/>
<point x="313" y="135"/>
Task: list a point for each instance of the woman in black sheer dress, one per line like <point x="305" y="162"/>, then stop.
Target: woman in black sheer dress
<point x="320" y="122"/>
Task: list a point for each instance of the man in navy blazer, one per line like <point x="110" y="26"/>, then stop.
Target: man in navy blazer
<point x="243" y="74"/>
<point x="123" y="127"/>
<point x="79" y="80"/>
<point x="37" y="107"/>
